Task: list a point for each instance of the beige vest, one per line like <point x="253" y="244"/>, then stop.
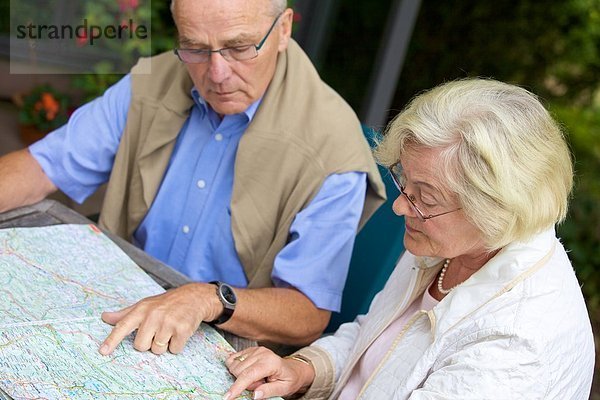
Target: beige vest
<point x="301" y="133"/>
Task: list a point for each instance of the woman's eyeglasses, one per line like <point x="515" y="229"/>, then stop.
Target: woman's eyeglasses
<point x="396" y="173"/>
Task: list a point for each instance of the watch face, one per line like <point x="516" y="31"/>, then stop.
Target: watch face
<point x="228" y="295"/>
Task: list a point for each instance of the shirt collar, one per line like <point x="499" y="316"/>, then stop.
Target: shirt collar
<point x="204" y="106"/>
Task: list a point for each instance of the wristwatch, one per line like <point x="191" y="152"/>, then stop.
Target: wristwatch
<point x="227" y="297"/>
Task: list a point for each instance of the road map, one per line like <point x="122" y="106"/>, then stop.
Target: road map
<point x="54" y="283"/>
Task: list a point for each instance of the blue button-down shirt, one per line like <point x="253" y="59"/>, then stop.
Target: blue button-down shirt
<point x="188" y="225"/>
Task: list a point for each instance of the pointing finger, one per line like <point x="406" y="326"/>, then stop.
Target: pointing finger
<point x="247" y="378"/>
<point x="121" y="330"/>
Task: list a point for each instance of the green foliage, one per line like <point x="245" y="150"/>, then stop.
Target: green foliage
<point x="581" y="231"/>
<point x="94" y="85"/>
<point x="163" y="37"/>
<point x="552" y="47"/>
<point x="350" y="57"/>
<point x="4" y="18"/>
<point x="164" y="33"/>
<point x="121" y="12"/>
<point x="45" y="108"/>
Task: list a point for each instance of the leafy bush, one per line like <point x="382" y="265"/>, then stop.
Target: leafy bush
<point x="581" y="231"/>
<point x="163" y="34"/>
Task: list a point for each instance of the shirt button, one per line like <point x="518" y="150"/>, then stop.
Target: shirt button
<point x="218" y="137"/>
<point x="201" y="184"/>
<point x="185" y="229"/>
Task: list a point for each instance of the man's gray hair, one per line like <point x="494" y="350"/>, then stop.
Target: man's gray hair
<point x="277" y="6"/>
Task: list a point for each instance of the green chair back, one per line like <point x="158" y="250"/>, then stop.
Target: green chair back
<point x="376" y="250"/>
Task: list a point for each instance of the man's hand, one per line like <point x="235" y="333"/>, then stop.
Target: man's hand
<point x="164" y="322"/>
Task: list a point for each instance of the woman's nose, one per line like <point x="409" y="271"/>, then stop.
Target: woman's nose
<point x="401" y="206"/>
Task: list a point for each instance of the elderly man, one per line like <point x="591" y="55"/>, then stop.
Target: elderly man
<point x="232" y="162"/>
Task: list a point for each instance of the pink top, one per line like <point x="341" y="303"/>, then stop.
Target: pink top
<point x="375" y="353"/>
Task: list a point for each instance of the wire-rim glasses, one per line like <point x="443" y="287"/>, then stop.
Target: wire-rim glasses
<point x="236" y="53"/>
<point x="395" y="171"/>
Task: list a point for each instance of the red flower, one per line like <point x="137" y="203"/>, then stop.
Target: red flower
<point x="126" y="5"/>
<point x="82" y="40"/>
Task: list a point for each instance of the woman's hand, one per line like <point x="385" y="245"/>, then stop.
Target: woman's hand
<point x="267" y="374"/>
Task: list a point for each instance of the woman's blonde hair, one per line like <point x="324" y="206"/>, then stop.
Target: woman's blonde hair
<point x="502" y="154"/>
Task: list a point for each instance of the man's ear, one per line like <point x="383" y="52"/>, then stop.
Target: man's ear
<point x="285" y="29"/>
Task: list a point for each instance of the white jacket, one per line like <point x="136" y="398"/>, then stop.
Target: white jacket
<point x="516" y="329"/>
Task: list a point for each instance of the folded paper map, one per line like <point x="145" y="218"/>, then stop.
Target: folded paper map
<point x="55" y="282"/>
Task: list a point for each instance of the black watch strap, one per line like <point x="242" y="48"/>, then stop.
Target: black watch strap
<point x="227" y="297"/>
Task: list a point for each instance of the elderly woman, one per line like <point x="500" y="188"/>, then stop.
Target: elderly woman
<point x="484" y="303"/>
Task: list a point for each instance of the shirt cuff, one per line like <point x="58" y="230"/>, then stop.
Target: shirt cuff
<point x="324" y="382"/>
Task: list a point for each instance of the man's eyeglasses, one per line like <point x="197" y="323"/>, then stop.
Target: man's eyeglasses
<point x="237" y="53"/>
<point x="395" y="171"/>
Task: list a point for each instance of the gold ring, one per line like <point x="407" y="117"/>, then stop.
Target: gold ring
<point x="160" y="344"/>
<point x="241" y="358"/>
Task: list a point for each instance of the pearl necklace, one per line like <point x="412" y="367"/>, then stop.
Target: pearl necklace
<point x="441" y="278"/>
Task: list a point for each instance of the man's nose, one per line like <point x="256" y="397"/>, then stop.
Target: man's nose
<point x="219" y="68"/>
